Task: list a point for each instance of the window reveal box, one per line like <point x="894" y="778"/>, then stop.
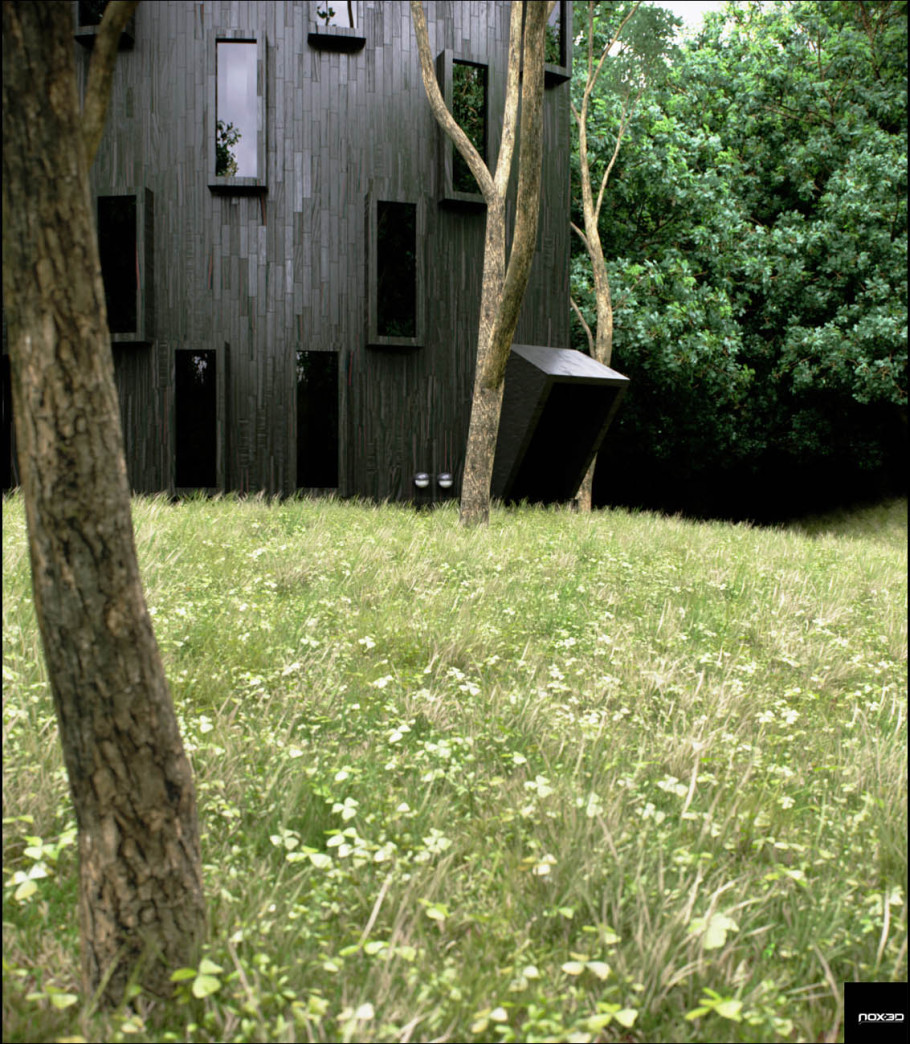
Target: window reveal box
<point x="557" y="407"/>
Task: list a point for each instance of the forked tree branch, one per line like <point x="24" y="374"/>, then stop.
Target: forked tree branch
<point x="581" y="234"/>
<point x="437" y="103"/>
<point x="585" y="327"/>
<point x="530" y="163"/>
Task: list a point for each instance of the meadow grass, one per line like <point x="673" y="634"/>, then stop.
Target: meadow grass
<point x="568" y="778"/>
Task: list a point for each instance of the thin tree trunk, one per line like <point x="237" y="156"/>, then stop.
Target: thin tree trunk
<point x="486" y="402"/>
<point x="602" y="348"/>
<point x="141" y="902"/>
<point x="503" y="288"/>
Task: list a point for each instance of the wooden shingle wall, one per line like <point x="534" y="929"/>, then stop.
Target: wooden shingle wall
<point x="256" y="277"/>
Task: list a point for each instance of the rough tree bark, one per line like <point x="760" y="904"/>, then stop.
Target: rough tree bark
<point x="504" y="283"/>
<point x="600" y="342"/>
<point x="141" y="902"/>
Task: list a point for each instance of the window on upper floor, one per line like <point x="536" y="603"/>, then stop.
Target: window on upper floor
<point x="395" y="276"/>
<point x="237" y="138"/>
<point x="469" y="107"/>
<point x="396" y="272"/>
<point x="337" y="26"/>
<point x="126" y="252"/>
<point x="117" y="246"/>
<point x="558" y="50"/>
<point x="88" y="17"/>
<point x="337" y="13"/>
<point x="465" y="89"/>
<point x="235" y="109"/>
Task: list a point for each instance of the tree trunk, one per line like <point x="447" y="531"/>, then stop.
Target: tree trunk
<point x="603" y="352"/>
<point x="602" y="348"/>
<point x="140" y="881"/>
<point x="486" y="403"/>
<point x="503" y="288"/>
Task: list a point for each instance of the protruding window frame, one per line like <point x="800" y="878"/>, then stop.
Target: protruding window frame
<point x="555" y="74"/>
<point x="374" y="338"/>
<point x="448" y="194"/>
<point x="238" y="185"/>
<point x="145" y="262"/>
<point x="85" y="34"/>
<point x="346" y="39"/>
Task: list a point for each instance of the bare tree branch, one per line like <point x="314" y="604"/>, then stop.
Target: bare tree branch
<point x="585" y="327"/>
<point x="581" y="234"/>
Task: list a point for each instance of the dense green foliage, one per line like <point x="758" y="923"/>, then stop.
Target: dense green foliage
<point x="756" y="225"/>
<point x="554" y="780"/>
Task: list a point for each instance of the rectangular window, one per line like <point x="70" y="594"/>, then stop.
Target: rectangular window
<point x="235" y="123"/>
<point x="126" y="252"/>
<point x="317" y="420"/>
<point x="336" y="26"/>
<point x="395" y="235"/>
<point x="464" y="87"/>
<point x="91" y="11"/>
<point x="237" y="153"/>
<point x="117" y="245"/>
<point x="396" y="269"/>
<point x="469" y="107"/>
<point x="339" y="13"/>
<point x="196" y="409"/>
<point x="557" y="52"/>
<point x="89" y="14"/>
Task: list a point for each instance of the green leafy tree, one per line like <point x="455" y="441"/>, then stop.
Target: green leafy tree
<point x="624" y="46"/>
<point x="757" y="231"/>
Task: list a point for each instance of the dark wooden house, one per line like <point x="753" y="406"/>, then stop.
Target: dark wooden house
<point x="291" y="252"/>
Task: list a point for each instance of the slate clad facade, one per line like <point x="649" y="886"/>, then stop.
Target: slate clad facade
<point x="307" y="318"/>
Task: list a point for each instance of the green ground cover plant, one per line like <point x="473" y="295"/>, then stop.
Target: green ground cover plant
<point x="616" y="777"/>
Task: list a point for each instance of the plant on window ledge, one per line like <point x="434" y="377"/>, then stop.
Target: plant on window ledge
<point x="329" y="17"/>
<point x="226" y="137"/>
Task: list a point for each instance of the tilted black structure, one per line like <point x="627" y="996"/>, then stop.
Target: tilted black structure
<point x="292" y="255"/>
<point x="556" y="410"/>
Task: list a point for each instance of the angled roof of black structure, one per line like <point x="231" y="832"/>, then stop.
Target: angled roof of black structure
<point x="557" y="407"/>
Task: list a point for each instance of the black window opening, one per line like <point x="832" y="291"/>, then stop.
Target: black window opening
<point x="237" y="109"/>
<point x="91" y="11"/>
<point x="396" y="269"/>
<point x="553" y="52"/>
<point x="118" y="249"/>
<point x="196" y="405"/>
<point x="557" y="52"/>
<point x="338" y="13"/>
<point x="469" y="107"/>
<point x="317" y="420"/>
<point x="89" y="14"/>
